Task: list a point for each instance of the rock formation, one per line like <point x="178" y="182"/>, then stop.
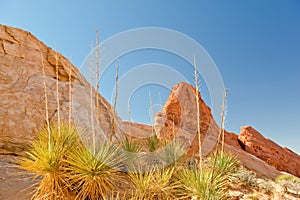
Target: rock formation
<point x="22" y="111"/>
<point x="179" y="117"/>
<point x="22" y="100"/>
<point x="281" y="158"/>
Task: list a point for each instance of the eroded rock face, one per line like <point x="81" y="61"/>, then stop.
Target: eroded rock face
<point x="22" y="99"/>
<point x="179" y="116"/>
<point x="281" y="158"/>
<point x="180" y="110"/>
<point x="22" y="108"/>
<point x="14" y="183"/>
<point x="260" y="167"/>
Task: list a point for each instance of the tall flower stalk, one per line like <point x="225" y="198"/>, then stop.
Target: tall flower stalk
<point x="91" y="101"/>
<point x="70" y="92"/>
<point x="57" y="94"/>
<point x="113" y="129"/>
<point x="223" y="119"/>
<point x="198" y="113"/>
<point x="46" y="104"/>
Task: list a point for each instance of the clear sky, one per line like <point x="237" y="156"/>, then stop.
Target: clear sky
<point x="255" y="45"/>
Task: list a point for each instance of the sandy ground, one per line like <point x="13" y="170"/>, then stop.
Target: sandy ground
<point x="13" y="183"/>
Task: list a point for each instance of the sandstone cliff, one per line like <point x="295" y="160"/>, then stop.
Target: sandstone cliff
<point x="22" y="100"/>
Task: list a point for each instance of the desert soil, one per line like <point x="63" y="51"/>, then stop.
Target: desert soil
<point x="13" y="184"/>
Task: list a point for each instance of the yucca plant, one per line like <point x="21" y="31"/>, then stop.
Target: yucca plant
<point x="172" y="153"/>
<point x="223" y="163"/>
<point x="131" y="150"/>
<point x="45" y="160"/>
<point x="153" y="143"/>
<point x="141" y="181"/>
<point x="153" y="184"/>
<point x="129" y="145"/>
<point x="197" y="184"/>
<point x="163" y="184"/>
<point x="93" y="176"/>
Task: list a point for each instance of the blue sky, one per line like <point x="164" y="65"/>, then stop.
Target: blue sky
<point x="255" y="45"/>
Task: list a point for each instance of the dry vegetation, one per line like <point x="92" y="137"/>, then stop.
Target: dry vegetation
<point x="67" y="169"/>
<point x="246" y="185"/>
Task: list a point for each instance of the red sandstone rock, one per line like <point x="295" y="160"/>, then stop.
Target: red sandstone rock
<point x="260" y="167"/>
<point x="137" y="130"/>
<point x="281" y="158"/>
<point x="179" y="116"/>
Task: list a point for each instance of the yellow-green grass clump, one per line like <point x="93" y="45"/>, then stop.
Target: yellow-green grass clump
<point x="223" y="163"/>
<point x="45" y="160"/>
<point x="210" y="182"/>
<point x="153" y="184"/>
<point x="94" y="176"/>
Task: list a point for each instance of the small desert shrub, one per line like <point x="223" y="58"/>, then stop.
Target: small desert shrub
<point x="131" y="150"/>
<point x="289" y="183"/>
<point x="153" y="143"/>
<point x="245" y="176"/>
<point x="288" y="178"/>
<point x="153" y="184"/>
<point x="93" y="176"/>
<point x="265" y="185"/>
<point x="223" y="163"/>
<point x="130" y="146"/>
<point x="45" y="159"/>
<point x="196" y="184"/>
<point x="172" y="153"/>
